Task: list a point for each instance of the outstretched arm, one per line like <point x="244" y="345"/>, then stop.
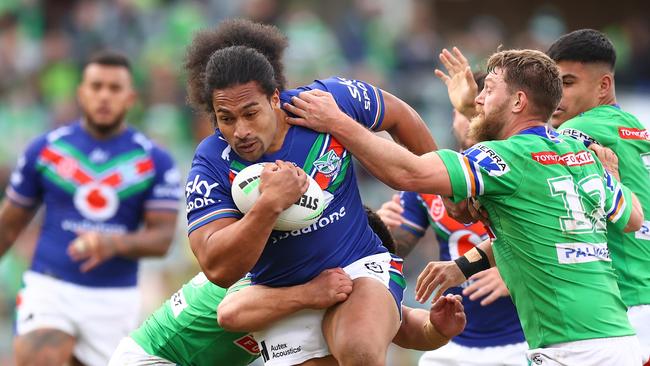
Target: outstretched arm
<point x="437" y="277"/>
<point x="386" y="160"/>
<point x="427" y="330"/>
<point x="406" y="126"/>
<point x="256" y="307"/>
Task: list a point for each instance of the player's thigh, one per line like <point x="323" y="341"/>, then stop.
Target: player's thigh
<point x="43" y="347"/>
<point x="323" y="361"/>
<point x="366" y="322"/>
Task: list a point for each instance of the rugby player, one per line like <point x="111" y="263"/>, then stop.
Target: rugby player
<point x="111" y="196"/>
<point x="589" y="112"/>
<point x="241" y="85"/>
<point x="547" y="198"/>
<point x="493" y="334"/>
<point x="187" y="329"/>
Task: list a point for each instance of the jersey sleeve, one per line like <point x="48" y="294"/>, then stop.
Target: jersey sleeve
<point x="480" y="170"/>
<point x="358" y="99"/>
<point x="583" y="129"/>
<point x="618" y="202"/>
<point x="207" y="193"/>
<point x="24" y="187"/>
<point x="415" y="214"/>
<point x="165" y="193"/>
<point x="239" y="285"/>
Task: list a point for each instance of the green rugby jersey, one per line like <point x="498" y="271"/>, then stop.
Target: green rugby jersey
<point x="185" y="329"/>
<point x="548" y="200"/>
<point x="620" y="131"/>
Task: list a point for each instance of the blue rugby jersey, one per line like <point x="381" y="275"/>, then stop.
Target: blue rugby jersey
<point x="494" y="325"/>
<point x="342" y="235"/>
<point x="87" y="184"/>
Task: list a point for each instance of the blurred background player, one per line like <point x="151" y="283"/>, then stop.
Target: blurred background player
<point x="187" y="329"/>
<point x="493" y="334"/>
<point x="589" y="112"/>
<point x="519" y="178"/>
<point x="110" y="196"/>
<point x="243" y="90"/>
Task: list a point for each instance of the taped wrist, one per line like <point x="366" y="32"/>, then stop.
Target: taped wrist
<point x="474" y="261"/>
<point x="433" y="337"/>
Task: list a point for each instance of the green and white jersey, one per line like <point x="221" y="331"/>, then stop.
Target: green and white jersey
<point x="548" y="199"/>
<point x="620" y="131"/>
<point x="185" y="330"/>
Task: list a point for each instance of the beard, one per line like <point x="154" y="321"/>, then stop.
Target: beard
<point x="105" y="129"/>
<point x="486" y="127"/>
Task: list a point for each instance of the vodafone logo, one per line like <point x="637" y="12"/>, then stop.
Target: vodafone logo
<point x="461" y="241"/>
<point x="633" y="134"/>
<point x="95" y="201"/>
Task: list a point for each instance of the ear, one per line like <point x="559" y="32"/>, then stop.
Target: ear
<point x="520" y="102"/>
<point x="133" y="97"/>
<point x="275" y="99"/>
<point x="605" y="85"/>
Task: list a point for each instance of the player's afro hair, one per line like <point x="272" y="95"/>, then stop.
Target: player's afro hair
<point x="265" y="39"/>
<point x="584" y="45"/>
<point x="380" y="229"/>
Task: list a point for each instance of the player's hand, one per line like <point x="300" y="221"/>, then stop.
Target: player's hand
<point x="328" y="288"/>
<point x="391" y="212"/>
<point x="314" y="109"/>
<point x="608" y="158"/>
<point x="461" y="86"/>
<point x="447" y="315"/>
<point x="466" y="211"/>
<point x="436" y="278"/>
<point x="488" y="284"/>
<point x="283" y="182"/>
<point x="93" y="247"/>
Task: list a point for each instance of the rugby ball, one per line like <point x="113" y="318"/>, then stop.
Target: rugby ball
<point x="245" y="191"/>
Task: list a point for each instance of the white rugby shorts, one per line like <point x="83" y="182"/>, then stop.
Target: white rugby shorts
<point x="454" y="354"/>
<point x="299" y="337"/>
<point x="129" y="353"/>
<point x="97" y="317"/>
<point x="639" y="317"/>
<point x="619" y="351"/>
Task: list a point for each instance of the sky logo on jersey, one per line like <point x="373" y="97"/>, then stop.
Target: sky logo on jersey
<point x="633" y="134"/>
<point x="569" y="159"/>
<point x="572" y="253"/>
<point x="487" y="159"/>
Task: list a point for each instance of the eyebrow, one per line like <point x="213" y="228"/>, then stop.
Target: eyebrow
<point x="249" y="105"/>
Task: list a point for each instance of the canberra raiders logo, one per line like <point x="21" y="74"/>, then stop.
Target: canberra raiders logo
<point x="96" y="201"/>
<point x="328" y="164"/>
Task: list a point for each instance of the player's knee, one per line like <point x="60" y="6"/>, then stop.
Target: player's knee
<point x="30" y="356"/>
<point x="43" y="348"/>
<point x="360" y="352"/>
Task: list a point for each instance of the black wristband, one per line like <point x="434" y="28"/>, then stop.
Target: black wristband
<point x="474" y="261"/>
